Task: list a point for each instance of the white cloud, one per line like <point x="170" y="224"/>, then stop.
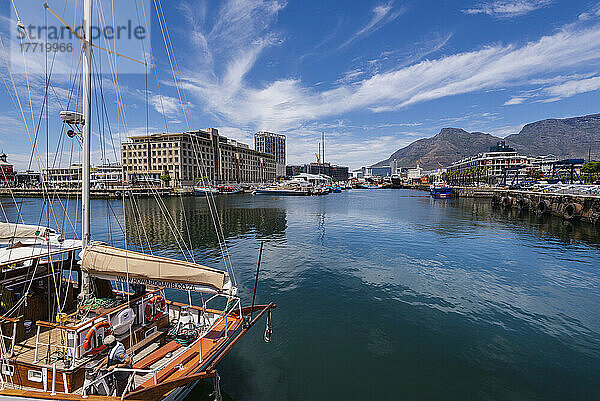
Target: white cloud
<point x="167" y="105"/>
<point x="508" y="8"/>
<point x="515" y="100"/>
<point x="574" y="87"/>
<point x="286" y="103"/>
<point x="382" y="15"/>
<point x="594" y="12"/>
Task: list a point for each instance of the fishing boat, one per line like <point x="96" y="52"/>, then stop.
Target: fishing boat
<point x="61" y="298"/>
<point x="440" y="190"/>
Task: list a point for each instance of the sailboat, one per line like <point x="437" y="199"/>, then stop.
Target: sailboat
<point x="173" y="344"/>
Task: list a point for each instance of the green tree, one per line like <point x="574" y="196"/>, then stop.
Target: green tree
<point x="166" y="178"/>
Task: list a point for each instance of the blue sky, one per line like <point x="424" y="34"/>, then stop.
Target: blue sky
<point x="374" y="76"/>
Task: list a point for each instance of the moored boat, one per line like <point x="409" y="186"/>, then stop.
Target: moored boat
<point x="440" y="190"/>
<point x="206" y="190"/>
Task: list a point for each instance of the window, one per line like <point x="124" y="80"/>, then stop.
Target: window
<point x="8" y="370"/>
<point x="34" y="375"/>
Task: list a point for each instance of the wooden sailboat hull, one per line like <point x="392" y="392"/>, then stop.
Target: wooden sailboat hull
<point x="178" y="378"/>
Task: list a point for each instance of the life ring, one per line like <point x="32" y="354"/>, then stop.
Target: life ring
<point x="91" y="337"/>
<point x="155" y="308"/>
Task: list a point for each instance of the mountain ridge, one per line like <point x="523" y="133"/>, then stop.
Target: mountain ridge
<point x="564" y="138"/>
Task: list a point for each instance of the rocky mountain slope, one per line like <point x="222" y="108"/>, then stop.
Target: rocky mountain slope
<point x="565" y="138"/>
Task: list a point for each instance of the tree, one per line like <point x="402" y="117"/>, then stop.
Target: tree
<point x="165" y="178"/>
<point x="591" y="171"/>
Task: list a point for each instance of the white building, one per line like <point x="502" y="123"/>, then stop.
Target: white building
<point x="415" y="173"/>
<point x="314" y="179"/>
<point x="63" y="177"/>
<point x="107" y="175"/>
<point x="544" y="163"/>
<point x="495" y="162"/>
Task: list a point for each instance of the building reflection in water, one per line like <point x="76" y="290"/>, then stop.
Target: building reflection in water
<point x="192" y="220"/>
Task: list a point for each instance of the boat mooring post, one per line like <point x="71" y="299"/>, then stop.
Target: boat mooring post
<point x="256" y="278"/>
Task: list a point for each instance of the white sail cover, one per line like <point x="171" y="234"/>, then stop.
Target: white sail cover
<point x="10" y="232"/>
<point x="104" y="261"/>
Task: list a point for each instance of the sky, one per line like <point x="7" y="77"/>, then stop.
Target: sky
<point x="372" y="76"/>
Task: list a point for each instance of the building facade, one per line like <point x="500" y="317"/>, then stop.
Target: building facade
<point x="336" y="173"/>
<point x="273" y="144"/>
<point x="63" y="177"/>
<point x="7" y="173"/>
<point x="107" y="175"/>
<point x="494" y="163"/>
<point x="187" y="158"/>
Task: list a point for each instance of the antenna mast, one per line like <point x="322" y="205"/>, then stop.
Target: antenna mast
<point x="87" y="118"/>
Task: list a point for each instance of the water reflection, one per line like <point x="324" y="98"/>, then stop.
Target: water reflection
<point x="420" y="298"/>
<point x="191" y="218"/>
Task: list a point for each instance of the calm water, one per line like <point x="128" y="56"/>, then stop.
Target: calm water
<point x="389" y="295"/>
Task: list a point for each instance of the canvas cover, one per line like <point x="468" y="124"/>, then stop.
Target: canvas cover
<point x="10" y="231"/>
<point x="101" y="260"/>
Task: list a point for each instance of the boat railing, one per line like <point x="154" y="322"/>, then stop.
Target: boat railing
<point x="153" y="372"/>
<point x="11" y="338"/>
<point x="73" y="334"/>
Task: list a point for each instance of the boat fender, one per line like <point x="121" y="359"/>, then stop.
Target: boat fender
<point x="543" y="207"/>
<point x="506" y="201"/>
<point x="155" y="308"/>
<point x="93" y="337"/>
<point x="572" y="211"/>
<point x="523" y="203"/>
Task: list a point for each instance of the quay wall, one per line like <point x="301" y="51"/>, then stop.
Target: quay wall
<point x="76" y="193"/>
<point x="568" y="206"/>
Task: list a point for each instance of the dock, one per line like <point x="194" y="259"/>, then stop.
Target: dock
<point x="570" y="207"/>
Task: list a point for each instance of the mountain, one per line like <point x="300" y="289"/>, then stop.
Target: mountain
<point x="564" y="138"/>
<point x="449" y="145"/>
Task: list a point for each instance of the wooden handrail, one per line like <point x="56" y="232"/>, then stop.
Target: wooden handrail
<point x="10" y="319"/>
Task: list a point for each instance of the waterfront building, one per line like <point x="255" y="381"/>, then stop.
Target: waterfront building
<point x="544" y="164"/>
<point x="186" y="158"/>
<point x="337" y="173"/>
<point x="383" y="171"/>
<point x="494" y="163"/>
<point x="63" y="177"/>
<point x="107" y="175"/>
<point x="273" y="144"/>
<point x="28" y="178"/>
<point x="314" y="179"/>
<point x="7" y="173"/>
<point x="414" y="173"/>
<point x="358" y="173"/>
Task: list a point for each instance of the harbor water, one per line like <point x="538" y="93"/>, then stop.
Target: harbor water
<point x="386" y="294"/>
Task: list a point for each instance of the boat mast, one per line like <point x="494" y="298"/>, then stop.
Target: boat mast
<point x="87" y="118"/>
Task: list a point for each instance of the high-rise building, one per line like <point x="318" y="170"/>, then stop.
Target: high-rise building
<point x="187" y="158"/>
<point x="273" y="144"/>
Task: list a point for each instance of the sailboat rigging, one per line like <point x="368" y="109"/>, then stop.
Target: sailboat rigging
<point x="171" y="345"/>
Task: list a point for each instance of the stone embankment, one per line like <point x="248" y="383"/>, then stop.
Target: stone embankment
<point x="76" y="193"/>
<point x="568" y="206"/>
